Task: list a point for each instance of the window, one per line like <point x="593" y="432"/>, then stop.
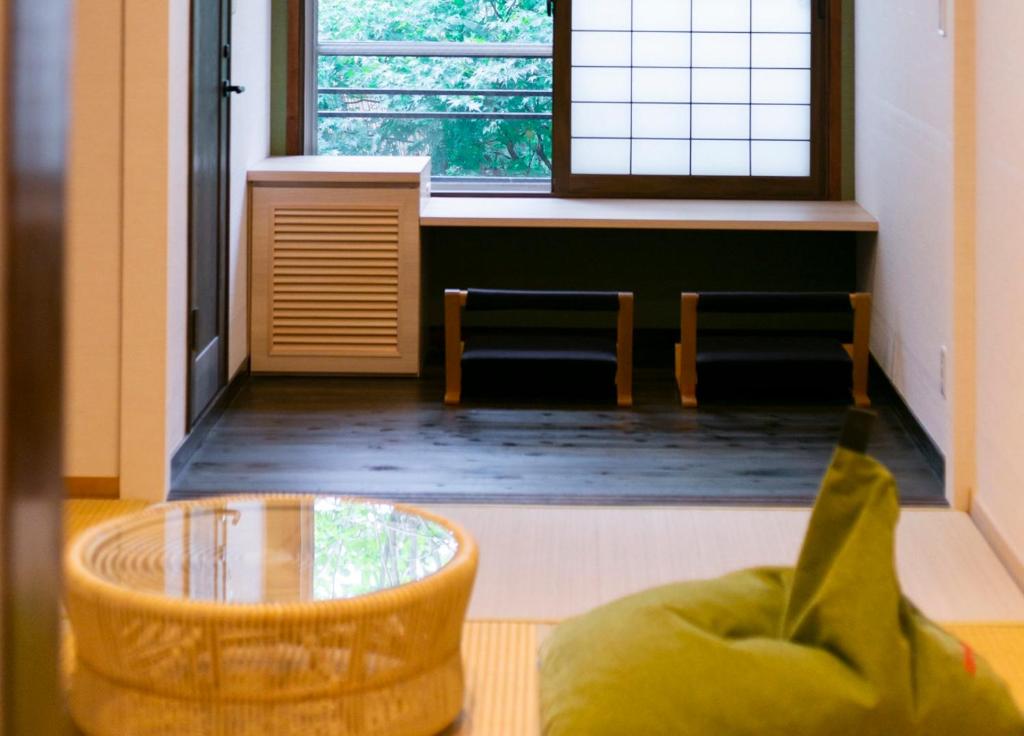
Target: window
<point x="467" y="83"/>
<point x="693" y="98"/>
<point x="683" y="98"/>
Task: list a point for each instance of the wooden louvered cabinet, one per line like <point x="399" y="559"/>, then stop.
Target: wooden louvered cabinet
<point x="335" y="264"/>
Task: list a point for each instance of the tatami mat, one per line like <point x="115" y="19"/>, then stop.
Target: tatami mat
<point x="1002" y="645"/>
<point x="500" y="658"/>
<point x="615" y="552"/>
<point x="82" y="513"/>
<point x="549" y="563"/>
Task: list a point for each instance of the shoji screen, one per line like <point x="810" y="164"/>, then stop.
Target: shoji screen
<point x="686" y="88"/>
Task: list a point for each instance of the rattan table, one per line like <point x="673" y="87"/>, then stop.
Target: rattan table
<point x="265" y="615"/>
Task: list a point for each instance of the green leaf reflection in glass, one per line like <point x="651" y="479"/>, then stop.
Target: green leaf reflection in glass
<point x="361" y="548"/>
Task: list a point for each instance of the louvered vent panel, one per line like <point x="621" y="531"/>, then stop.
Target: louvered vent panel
<point x="334" y="281"/>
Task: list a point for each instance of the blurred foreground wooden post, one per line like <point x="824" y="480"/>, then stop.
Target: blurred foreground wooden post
<point x="34" y="38"/>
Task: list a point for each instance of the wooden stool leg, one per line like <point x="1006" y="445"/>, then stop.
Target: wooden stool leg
<point x="453" y="303"/>
<point x="686" y="351"/>
<point x="861" y="348"/>
<point x="624" y="351"/>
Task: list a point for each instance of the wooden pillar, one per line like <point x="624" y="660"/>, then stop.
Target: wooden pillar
<point x="34" y="38"/>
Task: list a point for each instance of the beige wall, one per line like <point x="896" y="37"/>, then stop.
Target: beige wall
<point x="904" y="163"/>
<point x="176" y="341"/>
<point x="127" y="268"/>
<point x="93" y="268"/>
<point x="154" y="192"/>
<point x="999" y="253"/>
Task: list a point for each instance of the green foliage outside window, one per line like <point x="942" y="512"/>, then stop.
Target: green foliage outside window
<point x="459" y="147"/>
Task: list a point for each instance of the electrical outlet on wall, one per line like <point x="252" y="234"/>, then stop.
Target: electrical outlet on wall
<point x="942" y="371"/>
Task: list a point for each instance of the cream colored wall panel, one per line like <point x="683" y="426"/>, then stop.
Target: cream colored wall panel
<point x="128" y="218"/>
<point x="154" y="262"/>
<point x="999" y="496"/>
<point x="905" y="178"/>
<point x="336" y="280"/>
<point x="176" y="352"/>
<point x="93" y="257"/>
<point x="250" y="143"/>
<point x="144" y="316"/>
<point x="155" y="251"/>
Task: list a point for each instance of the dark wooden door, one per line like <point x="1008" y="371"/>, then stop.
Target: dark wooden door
<point x="208" y="205"/>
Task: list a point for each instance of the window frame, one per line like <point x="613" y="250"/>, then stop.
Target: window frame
<point x="824" y="183"/>
<point x="300" y="74"/>
<point x="304" y="42"/>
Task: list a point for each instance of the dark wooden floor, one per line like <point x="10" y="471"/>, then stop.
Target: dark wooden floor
<point x="392" y="437"/>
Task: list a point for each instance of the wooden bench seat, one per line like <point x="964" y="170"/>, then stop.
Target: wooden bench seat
<point x="518" y="359"/>
<point x="794" y="357"/>
<point x="547" y="349"/>
<point x="763" y="351"/>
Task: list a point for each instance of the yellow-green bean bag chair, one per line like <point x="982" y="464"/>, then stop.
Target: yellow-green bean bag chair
<point x="830" y="648"/>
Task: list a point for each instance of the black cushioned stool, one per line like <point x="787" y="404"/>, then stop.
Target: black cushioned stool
<point x="511" y="352"/>
<point x="734" y="355"/>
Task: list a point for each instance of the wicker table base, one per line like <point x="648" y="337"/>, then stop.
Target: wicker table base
<point x="356" y="630"/>
<point x="418" y="706"/>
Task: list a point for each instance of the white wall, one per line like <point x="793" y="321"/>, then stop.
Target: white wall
<point x="904" y="163"/>
<point x="999" y="254"/>
<point x="940" y="161"/>
<point x="250" y="142"/>
<point x="93" y="259"/>
<point x="128" y="265"/>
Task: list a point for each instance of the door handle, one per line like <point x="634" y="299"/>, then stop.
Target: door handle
<point x="227" y="88"/>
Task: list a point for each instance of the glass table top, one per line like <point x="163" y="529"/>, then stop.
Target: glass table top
<point x="282" y="550"/>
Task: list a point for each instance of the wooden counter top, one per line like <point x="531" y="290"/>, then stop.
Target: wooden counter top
<point x="396" y="170"/>
<point x="646" y="214"/>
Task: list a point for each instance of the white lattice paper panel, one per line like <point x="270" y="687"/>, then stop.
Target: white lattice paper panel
<point x="691" y="87"/>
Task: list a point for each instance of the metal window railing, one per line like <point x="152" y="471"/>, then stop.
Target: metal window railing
<point x="345" y="102"/>
<point x="434" y="49"/>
